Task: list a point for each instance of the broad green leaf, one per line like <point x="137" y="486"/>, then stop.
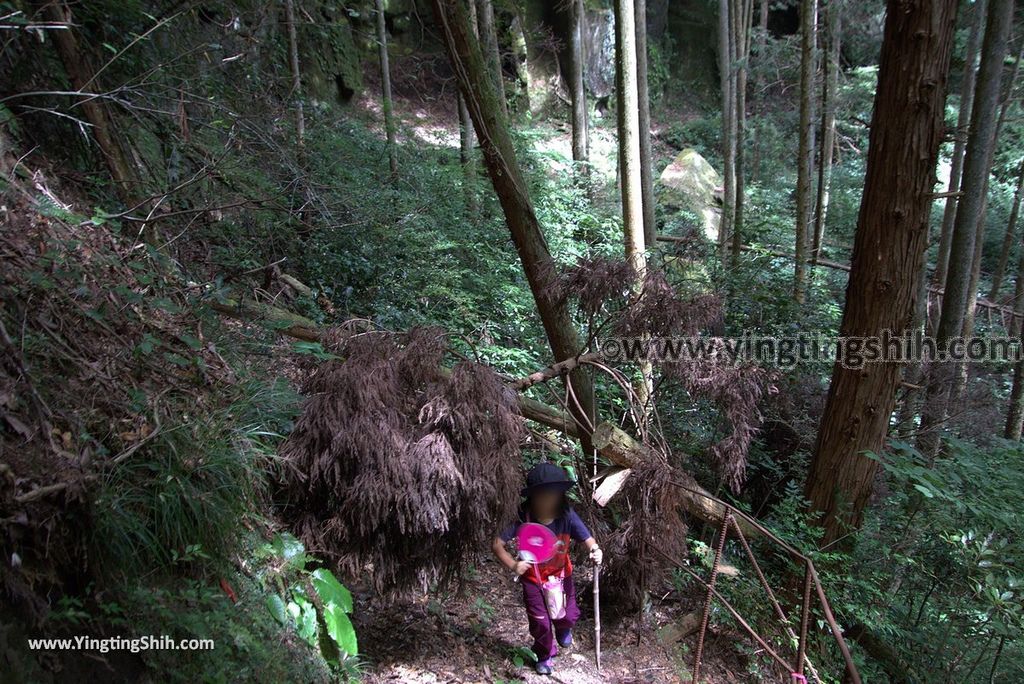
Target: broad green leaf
<point x="275" y="604"/>
<point x="340" y="629"/>
<point x="304" y="614"/>
<point x="331" y="591"/>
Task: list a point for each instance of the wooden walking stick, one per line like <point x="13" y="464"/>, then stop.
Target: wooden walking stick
<point x="597" y="617"/>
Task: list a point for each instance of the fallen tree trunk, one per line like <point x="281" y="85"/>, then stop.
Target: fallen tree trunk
<point x="281" y="320"/>
<point x="302" y="328"/>
<point x="611" y="442"/>
<point x="621" y="449"/>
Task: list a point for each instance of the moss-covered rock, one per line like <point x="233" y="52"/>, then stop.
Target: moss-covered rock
<point x="330" y="55"/>
<point x="691" y="183"/>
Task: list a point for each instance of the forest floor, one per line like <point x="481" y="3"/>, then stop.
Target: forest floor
<point x="480" y="635"/>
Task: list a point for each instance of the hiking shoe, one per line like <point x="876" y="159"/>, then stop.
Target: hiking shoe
<point x="543" y="667"/>
<point x="565" y="638"/>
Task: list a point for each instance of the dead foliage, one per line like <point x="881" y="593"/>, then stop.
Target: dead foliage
<point x="396" y="469"/>
<point x="655" y="520"/>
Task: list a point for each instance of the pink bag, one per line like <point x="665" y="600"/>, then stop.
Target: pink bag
<point x="554" y="597"/>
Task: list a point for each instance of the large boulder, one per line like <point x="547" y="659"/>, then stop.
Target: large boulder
<point x="691" y="183"/>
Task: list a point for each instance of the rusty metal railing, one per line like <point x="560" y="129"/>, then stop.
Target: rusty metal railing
<point x="730" y="523"/>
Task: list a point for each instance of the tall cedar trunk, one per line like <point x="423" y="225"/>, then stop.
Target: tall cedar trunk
<point x="492" y="130"/>
<point x="293" y="60"/>
<point x="1011" y="228"/>
<point x="888" y="253"/>
<point x="728" y="112"/>
<point x="960" y="143"/>
<point x="644" y="123"/>
<point x="467" y="139"/>
<point x="492" y="52"/>
<point x="977" y="160"/>
<point x="101" y="122"/>
<point x="630" y="159"/>
<point x="805" y="162"/>
<point x="762" y="45"/>
<point x="830" y="85"/>
<point x="385" y="84"/>
<point x="971" y="308"/>
<point x="580" y="125"/>
<point x="741" y="16"/>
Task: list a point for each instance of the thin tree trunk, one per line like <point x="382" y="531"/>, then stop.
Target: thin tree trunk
<point x="466" y="156"/>
<point x="830" y="86"/>
<point x="293" y="60"/>
<point x="888" y="254"/>
<point x="644" y="122"/>
<point x="960" y="142"/>
<point x="805" y="163"/>
<point x="1018" y="296"/>
<point x="977" y="162"/>
<point x="1015" y="415"/>
<point x="979" y="239"/>
<point x="492" y="52"/>
<point x="580" y="124"/>
<point x="728" y="112"/>
<point x="101" y="122"/>
<point x="467" y="139"/>
<point x="742" y="17"/>
<point x="492" y="129"/>
<point x="385" y="81"/>
<point x="1011" y="228"/>
<point x="762" y="45"/>
<point x="630" y="159"/>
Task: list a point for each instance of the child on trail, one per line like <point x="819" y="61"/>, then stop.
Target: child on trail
<point x="546" y="503"/>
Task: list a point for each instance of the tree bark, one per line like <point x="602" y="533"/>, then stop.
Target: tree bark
<point x="631" y="162"/>
<point x="644" y="123"/>
<point x="971" y="309"/>
<point x="492" y="130"/>
<point x="580" y="124"/>
<point x="1015" y="416"/>
<point x="467" y="140"/>
<point x="466" y="156"/>
<point x="888" y="253"/>
<point x="1011" y="228"/>
<point x="492" y="51"/>
<point x="725" y="53"/>
<point x="960" y="141"/>
<point x="741" y="14"/>
<point x="385" y="80"/>
<point x="96" y="112"/>
<point x="805" y="161"/>
<point x="762" y="45"/>
<point x="293" y="60"/>
<point x="830" y="85"/>
<point x="977" y="162"/>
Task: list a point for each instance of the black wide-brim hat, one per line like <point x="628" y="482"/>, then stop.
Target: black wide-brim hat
<point x="546" y="476"/>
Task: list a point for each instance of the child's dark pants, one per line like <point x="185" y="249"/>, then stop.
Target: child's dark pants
<point x="543" y="628"/>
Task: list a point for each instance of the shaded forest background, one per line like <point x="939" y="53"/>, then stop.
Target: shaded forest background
<point x="253" y="308"/>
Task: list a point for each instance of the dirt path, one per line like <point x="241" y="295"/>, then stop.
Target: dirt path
<point x="476" y="637"/>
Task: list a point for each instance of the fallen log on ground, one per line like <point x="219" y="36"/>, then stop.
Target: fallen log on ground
<point x="302" y="328"/>
<point x="620" y="448"/>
